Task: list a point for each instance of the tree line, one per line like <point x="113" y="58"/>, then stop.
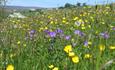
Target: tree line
<point x="68" y="5"/>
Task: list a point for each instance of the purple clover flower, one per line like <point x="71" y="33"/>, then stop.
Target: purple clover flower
<point x="52" y="34"/>
<point x="59" y="31"/>
<point x="46" y="31"/>
<point x="49" y="33"/>
<point x="105" y="35"/>
<point x="86" y="43"/>
<point x="113" y="28"/>
<point x="32" y="32"/>
<point x="78" y="32"/>
<point x="67" y="37"/>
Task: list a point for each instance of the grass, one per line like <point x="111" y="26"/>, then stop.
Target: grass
<point x="24" y="52"/>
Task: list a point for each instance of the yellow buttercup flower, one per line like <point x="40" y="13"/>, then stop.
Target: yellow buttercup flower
<point x="90" y="43"/>
<point x="76" y="18"/>
<point x="112" y="47"/>
<point x="75" y="59"/>
<point x="82" y="27"/>
<point x="86" y="21"/>
<point x="91" y="17"/>
<point x="49" y="16"/>
<point x="103" y="22"/>
<point x="64" y="18"/>
<point x="64" y="21"/>
<point x="87" y="56"/>
<point x="81" y="15"/>
<point x="80" y="20"/>
<point x="96" y="32"/>
<point x="55" y="68"/>
<point x="89" y="26"/>
<point x="18" y="42"/>
<point x="46" y="28"/>
<point x="11" y="55"/>
<point x="24" y="45"/>
<point x="10" y="67"/>
<point x="72" y="39"/>
<point x="107" y="13"/>
<point x="68" y="48"/>
<point x="71" y="54"/>
<point x="13" y="21"/>
<point x="102" y="47"/>
<point x="51" y="22"/>
<point x="51" y="66"/>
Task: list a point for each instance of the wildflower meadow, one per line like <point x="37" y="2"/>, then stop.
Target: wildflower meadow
<point x="81" y="38"/>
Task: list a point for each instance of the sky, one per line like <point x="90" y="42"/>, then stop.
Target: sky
<point x="53" y="3"/>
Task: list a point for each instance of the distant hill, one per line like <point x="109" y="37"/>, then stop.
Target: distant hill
<point x="10" y="9"/>
<point x="21" y="8"/>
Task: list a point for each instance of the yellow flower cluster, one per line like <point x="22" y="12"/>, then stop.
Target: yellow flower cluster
<point x="53" y="68"/>
<point x="10" y="67"/>
<point x="42" y="28"/>
<point x="68" y="48"/>
<point x="71" y="54"/>
<point x="75" y="59"/>
<point x="112" y="47"/>
<point x="87" y="56"/>
<point x="76" y="18"/>
<point x="64" y="20"/>
<point x="101" y="47"/>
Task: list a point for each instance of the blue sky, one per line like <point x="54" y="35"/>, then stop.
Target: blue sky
<point x="53" y="3"/>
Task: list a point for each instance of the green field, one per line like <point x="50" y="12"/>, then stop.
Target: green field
<point x="59" y="39"/>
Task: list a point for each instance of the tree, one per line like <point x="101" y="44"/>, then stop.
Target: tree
<point x="61" y="8"/>
<point x="84" y="4"/>
<point x="68" y="5"/>
<point x="78" y="4"/>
